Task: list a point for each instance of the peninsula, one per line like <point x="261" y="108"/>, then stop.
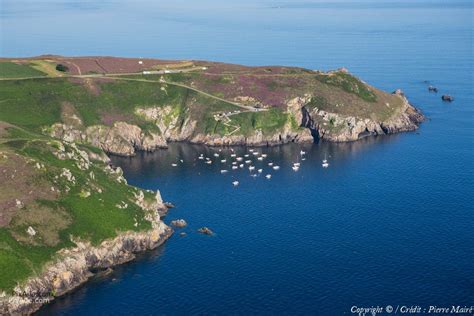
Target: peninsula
<point x="66" y="213"/>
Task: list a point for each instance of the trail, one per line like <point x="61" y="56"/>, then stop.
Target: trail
<point x="245" y="107"/>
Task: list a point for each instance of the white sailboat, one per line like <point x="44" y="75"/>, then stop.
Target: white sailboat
<point x="325" y="163"/>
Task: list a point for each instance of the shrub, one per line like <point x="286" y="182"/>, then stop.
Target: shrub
<point x="62" y="68"/>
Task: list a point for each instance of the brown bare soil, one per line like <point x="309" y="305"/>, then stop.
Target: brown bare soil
<point x="3" y="128"/>
<point x="69" y="115"/>
<point x="108" y="65"/>
<point x="110" y="117"/>
<point x="19" y="180"/>
<point x="92" y="85"/>
<point x="47" y="222"/>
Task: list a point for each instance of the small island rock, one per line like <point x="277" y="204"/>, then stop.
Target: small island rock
<point x="447" y="98"/>
<point x="180" y="223"/>
<point x="205" y="230"/>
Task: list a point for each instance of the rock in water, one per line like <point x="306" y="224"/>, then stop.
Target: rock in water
<point x="169" y="204"/>
<point x="433" y="89"/>
<point x="180" y="223"/>
<point x="205" y="230"/>
<point x="447" y="98"/>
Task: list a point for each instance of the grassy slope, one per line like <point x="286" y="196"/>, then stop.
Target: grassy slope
<point x="337" y="92"/>
<point x="13" y="70"/>
<point x="40" y="100"/>
<point x="93" y="218"/>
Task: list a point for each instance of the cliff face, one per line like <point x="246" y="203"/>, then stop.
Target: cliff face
<point x="120" y="139"/>
<point x="342" y="128"/>
<point x="108" y="220"/>
<point x="74" y="266"/>
<point x="124" y="139"/>
<point x="312" y="124"/>
<point x="173" y="131"/>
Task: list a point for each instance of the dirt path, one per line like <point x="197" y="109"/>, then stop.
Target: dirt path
<point x="77" y="68"/>
<point x="245" y="107"/>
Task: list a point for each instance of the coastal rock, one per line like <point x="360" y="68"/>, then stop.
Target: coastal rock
<point x="304" y="126"/>
<point x="74" y="267"/>
<point x="340" y="128"/>
<point x="205" y="231"/>
<point x="180" y="223"/>
<point x="120" y="139"/>
<point x="447" y="98"/>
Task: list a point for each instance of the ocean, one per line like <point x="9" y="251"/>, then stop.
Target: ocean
<point x="390" y="222"/>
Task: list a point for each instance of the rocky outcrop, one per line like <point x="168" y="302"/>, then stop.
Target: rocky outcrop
<point x="306" y="125"/>
<point x="205" y="231"/>
<point x="120" y="139"/>
<point x="171" y="126"/>
<point x="75" y="266"/>
<point x="180" y="223"/>
<point x="339" y="128"/>
<point x="173" y="131"/>
<point x="257" y="139"/>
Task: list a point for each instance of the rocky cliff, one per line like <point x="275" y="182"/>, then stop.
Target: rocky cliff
<point x="75" y="266"/>
<point x="343" y="128"/>
<point x="306" y="125"/>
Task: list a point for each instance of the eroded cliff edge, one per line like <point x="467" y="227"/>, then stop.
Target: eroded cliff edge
<point x="76" y="265"/>
<point x="65" y="213"/>
<point x="307" y="121"/>
<point x="344" y="128"/>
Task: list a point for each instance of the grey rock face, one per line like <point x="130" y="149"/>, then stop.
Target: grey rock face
<point x="121" y="139"/>
<point x="73" y="267"/>
<point x="338" y="128"/>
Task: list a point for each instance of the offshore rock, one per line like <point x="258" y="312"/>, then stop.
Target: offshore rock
<point x="205" y="231"/>
<point x="180" y="223"/>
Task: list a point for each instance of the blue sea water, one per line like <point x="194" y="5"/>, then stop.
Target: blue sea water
<point x="390" y="222"/>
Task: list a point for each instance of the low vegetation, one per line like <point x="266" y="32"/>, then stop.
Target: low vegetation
<point x="349" y="84"/>
<point x="17" y="70"/>
<point x="62" y="68"/>
<point x="50" y="193"/>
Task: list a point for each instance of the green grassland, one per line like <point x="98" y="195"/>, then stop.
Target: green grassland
<point x="349" y="84"/>
<point x="72" y="212"/>
<point x="40" y="102"/>
<point x="14" y="70"/>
